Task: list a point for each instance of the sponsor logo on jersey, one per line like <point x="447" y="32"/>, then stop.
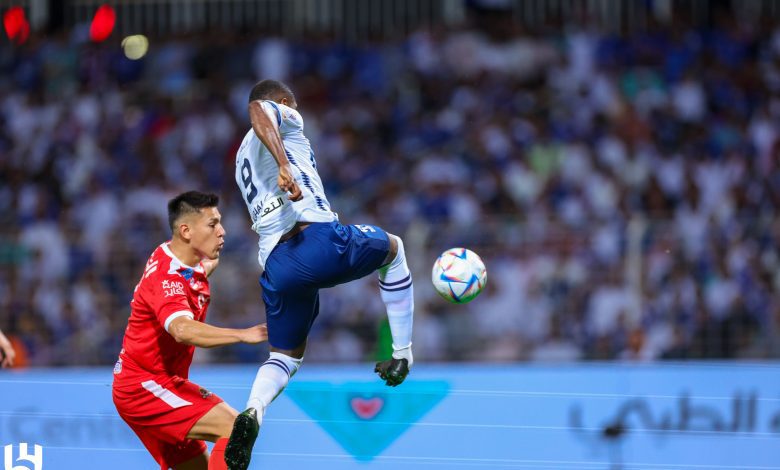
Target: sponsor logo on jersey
<point x="172" y="288"/>
<point x="257" y="211"/>
<point x="275" y="204"/>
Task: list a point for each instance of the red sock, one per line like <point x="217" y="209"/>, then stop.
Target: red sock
<point x="217" y="459"/>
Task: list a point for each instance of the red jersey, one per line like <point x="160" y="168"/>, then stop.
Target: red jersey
<point x="168" y="289"/>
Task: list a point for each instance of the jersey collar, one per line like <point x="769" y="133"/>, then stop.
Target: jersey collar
<point x="176" y="263"/>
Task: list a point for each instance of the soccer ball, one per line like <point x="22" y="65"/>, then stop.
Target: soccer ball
<point x="459" y="275"/>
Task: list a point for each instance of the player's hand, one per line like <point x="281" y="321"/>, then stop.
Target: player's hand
<point x="255" y="334"/>
<point x="7" y="353"/>
<point x="287" y="183"/>
<point x="392" y="371"/>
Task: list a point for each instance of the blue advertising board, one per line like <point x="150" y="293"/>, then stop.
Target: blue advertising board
<point x="579" y="416"/>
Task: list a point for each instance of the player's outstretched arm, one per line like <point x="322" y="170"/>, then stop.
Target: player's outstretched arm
<point x="7" y="353"/>
<point x="267" y="131"/>
<point x="194" y="333"/>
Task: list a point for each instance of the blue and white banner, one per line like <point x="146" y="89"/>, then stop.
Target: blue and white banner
<point x="581" y="416"/>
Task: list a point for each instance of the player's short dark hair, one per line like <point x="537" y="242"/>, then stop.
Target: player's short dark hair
<point x="268" y="89"/>
<point x="189" y="203"/>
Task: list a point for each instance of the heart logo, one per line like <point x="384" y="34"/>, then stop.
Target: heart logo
<point x="350" y="411"/>
<point x="366" y="408"/>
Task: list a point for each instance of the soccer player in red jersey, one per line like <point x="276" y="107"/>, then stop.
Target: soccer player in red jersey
<point x="171" y="415"/>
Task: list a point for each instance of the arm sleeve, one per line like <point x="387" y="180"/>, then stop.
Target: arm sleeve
<point x="168" y="299"/>
<point x="274" y="112"/>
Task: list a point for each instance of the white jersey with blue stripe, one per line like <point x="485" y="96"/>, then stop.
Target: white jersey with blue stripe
<point x="272" y="213"/>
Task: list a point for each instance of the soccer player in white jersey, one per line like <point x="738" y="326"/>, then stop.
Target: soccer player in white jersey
<point x="303" y="248"/>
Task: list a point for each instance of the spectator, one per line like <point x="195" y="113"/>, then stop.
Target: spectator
<point x="607" y="180"/>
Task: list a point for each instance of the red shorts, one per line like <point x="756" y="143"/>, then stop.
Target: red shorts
<point x="161" y="411"/>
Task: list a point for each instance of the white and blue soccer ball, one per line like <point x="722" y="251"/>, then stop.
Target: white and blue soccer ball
<point x="459" y="275"/>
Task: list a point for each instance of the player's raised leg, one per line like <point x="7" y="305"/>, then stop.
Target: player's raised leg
<point x="397" y="291"/>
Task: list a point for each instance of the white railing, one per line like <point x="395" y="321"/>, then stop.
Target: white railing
<point x="354" y="20"/>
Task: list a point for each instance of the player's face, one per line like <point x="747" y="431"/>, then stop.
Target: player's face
<point x="207" y="235"/>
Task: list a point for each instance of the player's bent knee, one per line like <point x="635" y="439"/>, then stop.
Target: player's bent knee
<point x="394" y="241"/>
<point x="395" y="246"/>
<point x="215" y="424"/>
<point x="296" y="353"/>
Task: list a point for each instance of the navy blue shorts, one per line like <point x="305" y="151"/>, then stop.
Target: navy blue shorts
<point x="322" y="255"/>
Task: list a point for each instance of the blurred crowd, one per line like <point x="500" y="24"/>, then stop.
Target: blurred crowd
<point x="623" y="190"/>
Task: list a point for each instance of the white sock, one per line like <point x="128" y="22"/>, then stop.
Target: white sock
<point x="271" y="379"/>
<point x="395" y="287"/>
